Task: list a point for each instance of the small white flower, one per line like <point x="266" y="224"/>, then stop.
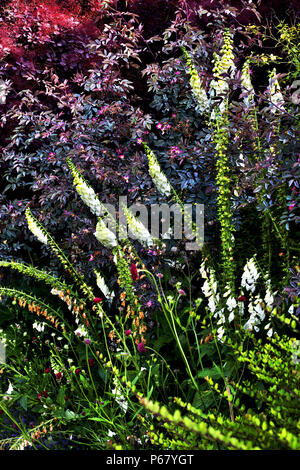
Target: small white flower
<point x="211" y="304"/>
<point x="120" y="399"/>
<point x="220" y="332"/>
<point x="10" y="389"/>
<point x="231" y="317"/>
<point x="269" y="299"/>
<point x="81" y="331"/>
<point x="250" y="276"/>
<point x="231" y="303"/>
<point x="39" y="326"/>
<point x="206" y="288"/>
<point x="203" y="271"/>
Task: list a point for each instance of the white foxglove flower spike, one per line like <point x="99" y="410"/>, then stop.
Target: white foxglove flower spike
<point x="86" y="193"/>
<point x="158" y="178"/>
<point x="104" y="235"/>
<point x="35" y="228"/>
<point x="103" y="287"/>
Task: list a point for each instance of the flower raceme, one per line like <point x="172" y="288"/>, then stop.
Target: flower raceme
<point x="249" y="276"/>
<point x="137" y="228"/>
<point x="223" y="64"/>
<point x="35" y="228"/>
<point x="247" y="86"/>
<point x="103" y="287"/>
<point x="276" y="97"/>
<point x="104" y="235"/>
<point x="158" y="178"/>
<point x="86" y="193"/>
<point x="196" y="85"/>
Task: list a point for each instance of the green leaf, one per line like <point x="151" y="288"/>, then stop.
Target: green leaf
<point x="203" y="399"/>
<point x="213" y="373"/>
<point x="61" y="397"/>
<point x="161" y="341"/>
<point x="23" y="402"/>
<point x="70" y="415"/>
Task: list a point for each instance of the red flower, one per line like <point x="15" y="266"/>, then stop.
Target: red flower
<point x="66" y="398"/>
<point x="77" y="371"/>
<point x="141" y="348"/>
<point x="91" y="362"/>
<point x="133" y="272"/>
<point x="97" y="300"/>
<point x="39" y="396"/>
<point x="1" y="412"/>
<point x="45" y="393"/>
<point x="128" y="332"/>
<point x="58" y="375"/>
<point x="47" y="370"/>
<point x="242" y="298"/>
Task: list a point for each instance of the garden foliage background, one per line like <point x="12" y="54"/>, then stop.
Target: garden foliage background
<point x="106" y="91"/>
